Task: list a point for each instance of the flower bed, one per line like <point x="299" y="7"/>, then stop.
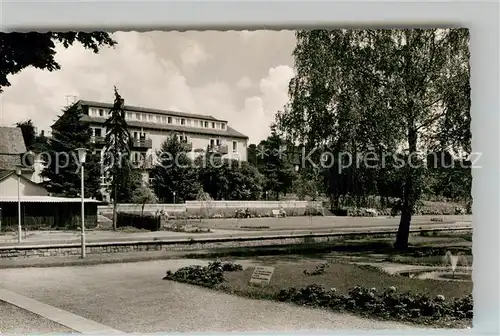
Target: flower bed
<point x="388" y="304"/>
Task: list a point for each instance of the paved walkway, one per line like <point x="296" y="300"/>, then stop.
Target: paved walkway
<point x="224" y="228"/>
<point x="134" y="298"/>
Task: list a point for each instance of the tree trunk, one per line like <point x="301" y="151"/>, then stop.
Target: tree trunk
<point x="409" y="197"/>
<point x="142" y="209"/>
<point x="405" y="221"/>
<point x="114" y="207"/>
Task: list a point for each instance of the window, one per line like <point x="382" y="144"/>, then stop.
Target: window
<point x="138" y="116"/>
<point x="158" y="119"/>
<point x="195" y="123"/>
<point x="235" y="146"/>
<point x="129" y="115"/>
<point x="218" y="142"/>
<point x="169" y="120"/>
<point x="223" y="126"/>
<point x="135" y="135"/>
<point x="212" y="141"/>
<point x="213" y="125"/>
<point x="177" y="121"/>
<point x="101" y="113"/>
<point x="183" y="121"/>
<point x="164" y="119"/>
<point x="97" y="132"/>
<point x="150" y="117"/>
<point x="206" y="124"/>
<point x="188" y="122"/>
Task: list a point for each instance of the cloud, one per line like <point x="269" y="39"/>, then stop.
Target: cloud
<point x="261" y="109"/>
<point x="244" y="83"/>
<point x="149" y="71"/>
<point x="193" y="54"/>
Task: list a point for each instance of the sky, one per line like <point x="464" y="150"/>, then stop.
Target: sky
<point x="238" y="76"/>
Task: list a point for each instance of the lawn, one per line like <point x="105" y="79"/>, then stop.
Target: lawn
<point x="341" y="276"/>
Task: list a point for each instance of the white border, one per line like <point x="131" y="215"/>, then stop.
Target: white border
<point x="480" y="17"/>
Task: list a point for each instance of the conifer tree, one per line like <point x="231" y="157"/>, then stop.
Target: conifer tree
<point x="61" y="159"/>
<point x="117" y="153"/>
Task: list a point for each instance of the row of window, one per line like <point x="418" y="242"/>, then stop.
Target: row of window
<point x="98" y="132"/>
<point x="161" y="119"/>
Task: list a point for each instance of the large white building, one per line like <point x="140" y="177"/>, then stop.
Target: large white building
<point x="149" y="128"/>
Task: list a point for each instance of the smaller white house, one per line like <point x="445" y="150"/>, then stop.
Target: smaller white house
<point x="9" y="184"/>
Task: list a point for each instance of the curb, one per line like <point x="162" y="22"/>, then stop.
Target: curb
<point x="62" y="317"/>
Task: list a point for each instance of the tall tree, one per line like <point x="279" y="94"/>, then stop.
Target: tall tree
<point x="61" y="166"/>
<point x="274" y="163"/>
<point x="21" y="50"/>
<point x="144" y="195"/>
<point x="399" y="90"/>
<point x="117" y="152"/>
<point x="174" y="172"/>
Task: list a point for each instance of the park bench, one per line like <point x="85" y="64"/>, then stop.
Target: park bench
<point x="278" y="213"/>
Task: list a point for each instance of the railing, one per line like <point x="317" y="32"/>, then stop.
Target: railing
<point x="142" y="143"/>
<point x="221" y="149"/>
<point x="187" y="146"/>
<point x="98" y="140"/>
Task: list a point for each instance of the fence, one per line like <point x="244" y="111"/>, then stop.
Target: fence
<point x="207" y="209"/>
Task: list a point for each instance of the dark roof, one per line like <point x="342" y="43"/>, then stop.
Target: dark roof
<point x="149" y="110"/>
<point x="6" y="173"/>
<point x="11" y="141"/>
<point x="228" y="132"/>
<point x="11" y="147"/>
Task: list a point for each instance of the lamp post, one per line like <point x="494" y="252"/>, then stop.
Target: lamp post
<point x="82" y="153"/>
<point x="19" y="229"/>
<point x="174" y="196"/>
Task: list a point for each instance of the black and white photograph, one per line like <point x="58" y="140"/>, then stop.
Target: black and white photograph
<point x="240" y="180"/>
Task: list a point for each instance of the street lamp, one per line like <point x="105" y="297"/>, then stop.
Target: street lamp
<point x="19" y="229"/>
<point x="82" y="153"/>
<point x="296" y="168"/>
<point x="174" y="196"/>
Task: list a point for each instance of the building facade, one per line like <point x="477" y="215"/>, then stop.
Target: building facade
<point x="149" y="128"/>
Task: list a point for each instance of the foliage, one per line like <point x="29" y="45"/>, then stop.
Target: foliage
<point x="387" y="304"/>
<point x="32" y="141"/>
<point x="275" y="164"/>
<point x="21" y="50"/>
<point x="174" y="172"/>
<point x="306" y="185"/>
<point x="144" y="195"/>
<point x="61" y="166"/>
<point x="144" y="222"/>
<point x="211" y="276"/>
<point x="229" y="179"/>
<point x="397" y="91"/>
<point x="116" y="159"/>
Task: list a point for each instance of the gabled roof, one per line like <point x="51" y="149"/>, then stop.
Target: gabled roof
<point x="149" y="110"/>
<point x="11" y="147"/>
<point x="11" y="141"/>
<point x="4" y="174"/>
<point x="228" y="132"/>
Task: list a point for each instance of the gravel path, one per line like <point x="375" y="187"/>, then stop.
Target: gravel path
<point x="133" y="297"/>
<point x="14" y="320"/>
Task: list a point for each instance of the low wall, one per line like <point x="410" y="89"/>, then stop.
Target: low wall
<point x="220" y="208"/>
<point x="15" y="252"/>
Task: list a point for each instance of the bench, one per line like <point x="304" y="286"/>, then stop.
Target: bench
<point x="278" y="213"/>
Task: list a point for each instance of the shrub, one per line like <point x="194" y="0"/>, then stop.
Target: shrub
<point x="389" y="303"/>
<point x="138" y="221"/>
<point x="211" y="276"/>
